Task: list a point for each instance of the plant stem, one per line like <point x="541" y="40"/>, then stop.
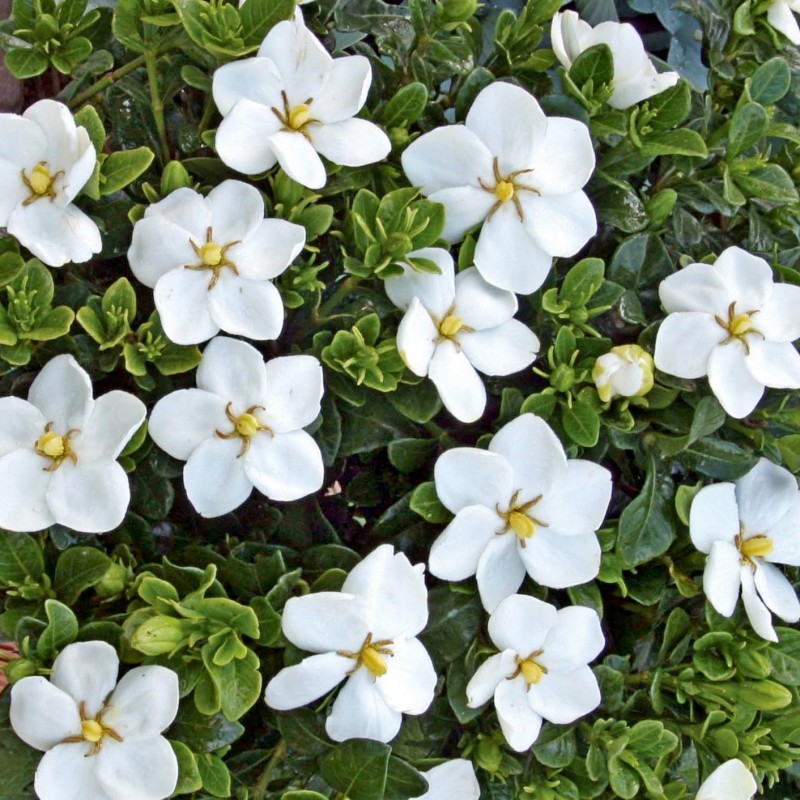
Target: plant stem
<point x="107" y="80"/>
<point x="151" y="61"/>
<point x="260" y="789"/>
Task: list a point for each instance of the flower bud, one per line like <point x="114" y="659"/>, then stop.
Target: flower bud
<point x="562" y="379"/>
<point x="458" y="10"/>
<point x="114" y="581"/>
<point x="625" y="371"/>
<point x="174" y="177"/>
<point x="159" y="635"/>
<point x="660" y="205"/>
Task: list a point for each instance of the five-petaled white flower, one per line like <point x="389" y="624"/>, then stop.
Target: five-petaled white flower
<point x="729" y="781"/>
<point x="541" y="672"/>
<point x="453" y="779"/>
<point x="100" y="742"/>
<point x="292" y="102"/>
<point x="635" y="77"/>
<point x="210" y="261"/>
<point x="455" y="325"/>
<point x="519" y="506"/>
<point x="367" y="634"/>
<point x="242" y="427"/>
<point x="517" y="172"/>
<point x="780" y="16"/>
<point x="58" y="451"/>
<point x="728" y="320"/>
<point x="746" y="528"/>
<point x="624" y="371"/>
<point x="45" y="160"/>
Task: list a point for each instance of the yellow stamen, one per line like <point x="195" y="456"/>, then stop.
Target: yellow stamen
<point x="373" y="661"/>
<point x="211" y="254"/>
<point x="756" y="546"/>
<point x="531" y="671"/>
<point x="504" y="191"/>
<point x="740" y="324"/>
<point x="51" y="444"/>
<point x="40" y="180"/>
<point x="91" y="730"/>
<point x="247" y="425"/>
<point x="451" y="325"/>
<point x="521" y="524"/>
<point x="299" y="116"/>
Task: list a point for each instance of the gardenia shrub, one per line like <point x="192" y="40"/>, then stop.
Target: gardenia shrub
<point x="400" y="400"/>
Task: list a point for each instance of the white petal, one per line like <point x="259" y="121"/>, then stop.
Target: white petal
<point x="303" y="683"/>
<point x="455" y="778"/>
<point x="416" y="338"/>
<point x="562" y="697"/>
<point x="460" y="387"/>
<point x="714" y="516"/>
<point x="465" y="207"/>
<point x="626" y="46"/>
<point x="87" y="672"/>
<point x="21" y="423"/>
<point x="508" y="120"/>
<point x="22" y="142"/>
<point x="445" y="158"/>
<point x="780" y="16"/>
<point x="293" y="393"/>
<point x="764" y="495"/>
<point x="345" y="90"/>
<point x="488" y="676"/>
<point x="748" y="278"/>
<point x="503" y="350"/>
<point x="410" y="678"/>
<point x="560" y="561"/>
<point x="91" y="498"/>
<point x="214" y="477"/>
<point x="180" y="421"/>
<point x="141" y="770"/>
<point x="237" y="209"/>
<point x="696" y="287"/>
<point x="351" y="142"/>
<point x="58" y="125"/>
<point x="566" y="32"/>
<point x="269" y="249"/>
<point x="246" y="308"/>
<point x="181" y="297"/>
<point x="518" y="721"/>
<point x="243" y="137"/>
<point x="298" y="158"/>
<point x="157" y="247"/>
<point x="144" y="703"/>
<point x="564" y="158"/>
<point x="480" y="305"/>
<point x="62" y="391"/>
<point x="435" y="292"/>
<point x="455" y="554"/>
<point x="731" y="381"/>
<point x="775" y="364"/>
<point x="521" y="623"/>
<point x="776" y="591"/>
<point x="467" y="476"/>
<point x="507" y="255"/>
<point x="326" y="621"/>
<point x="79" y="172"/>
<point x="185" y="208"/>
<point x="785" y="535"/>
<point x="12" y="190"/>
<point x="23" y="492"/>
<point x="731" y="780"/>
<point x="285" y="467"/>
<point x="233" y="370"/>
<point x="500" y="571"/>
<point x="757" y="612"/>
<point x="685" y="342"/>
<point x="647" y="84"/>
<point x="41" y="714"/>
<point x="257" y="79"/>
<point x="779" y="318"/>
<point x="576" y="639"/>
<point x="360" y="712"/>
<point x="559" y="224"/>
<point x="534" y="453"/>
<point x="55" y="234"/>
<point x="115" y="417"/>
<point x="67" y="772"/>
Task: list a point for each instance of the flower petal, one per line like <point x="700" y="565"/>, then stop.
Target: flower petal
<point x="284" y="467"/>
<point x="22" y="142"/>
<point x="58" y="125"/>
<point x="559" y="561"/>
<point x="714" y="516"/>
<point x="779" y="319"/>
<point x="480" y="305"/>
<point x="345" y="90"/>
<point x="87" y="672"/>
<point x="775" y="364"/>
<point x="780" y="16"/>
<point x="268" y="250"/>
<point x="62" y="391"/>
<point x="521" y="623"/>
<point x="488" y="676"/>
<point x="518" y="721"/>
<point x="503" y="350"/>
<point x="500" y="571"/>
<point x="360" y="712"/>
<point x="460" y="387"/>
<point x="326" y="621"/>
<point x="410" y="678"/>
<point x="214" y="477"/>
<point x="256" y="79"/>
<point x="757" y="612"/>
<point x="185" y="208"/>
<point x="435" y="292"/>
<point x="243" y="307"/>
<point x="465" y="207"/>
<point x="41" y="714"/>
<point x="467" y="476"/>
<point x="785" y="535"/>
<point x="243" y="139"/>
<point x="685" y="342"/>
<point x="181" y="420"/>
<point x="563" y="160"/>
<point x="776" y="591"/>
<point x="416" y="338"/>
<point x="293" y="394"/>
<point x="181" y="297"/>
<point x="731" y="780"/>
<point x="12" y="190"/>
<point x="764" y="495"/>
<point x="748" y="278"/>
<point x="234" y="371"/>
<point x="454" y="778"/>
<point x="67" y="773"/>
<point x="559" y="224"/>
<point x="20" y="424"/>
<point x="23" y="491"/>
<point x="298" y="158"/>
<point x="562" y="697"/>
<point x="696" y="287"/>
<point x="351" y="142"/>
<point x="303" y="683"/>
<point x="157" y="247"/>
<point x="146" y="769"/>
<point x="115" y="417"/>
<point x="144" y="703"/>
<point x="731" y="381"/>
<point x="455" y="554"/>
<point x="237" y="209"/>
<point x="575" y="640"/>
<point x="79" y="171"/>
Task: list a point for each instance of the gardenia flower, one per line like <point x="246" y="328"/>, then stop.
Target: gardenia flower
<point x="455" y="325"/>
<point x="453" y="779"/>
<point x="517" y="172"/>
<point x="99" y="742"/>
<point x="45" y="160"/>
<point x="541" y="672"/>
<point x="210" y="260"/>
<point x="729" y="781"/>
<point x="780" y="16"/>
<point x="242" y="427"/>
<point x="292" y="102"/>
<point x="728" y="320"/>
<point x="519" y="506"/>
<point x="746" y="528"/>
<point x="367" y="634"/>
<point x="635" y="77"/>
<point x="58" y="451"/>
<point x="625" y="371"/>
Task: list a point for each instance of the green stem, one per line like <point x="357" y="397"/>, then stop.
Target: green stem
<point x="151" y="61"/>
<point x="260" y="789"/>
<point x="107" y="80"/>
<point x="208" y="112"/>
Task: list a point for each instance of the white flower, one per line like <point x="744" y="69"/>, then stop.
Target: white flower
<point x="242" y="427"/>
<point x="635" y="77"/>
<point x="451" y="780"/>
<point x="728" y="320"/>
<point x="455" y="325"/>
<point x="367" y="634"/>
<point x="625" y="371"/>
<point x="729" y="781"/>
<point x="210" y="261"/>
<point x="517" y="172"/>
<point x="45" y="160"/>
<point x="100" y="742"/>
<point x="745" y="529"/>
<point x="780" y="16"/>
<point x="519" y="506"/>
<point x="58" y="451"/>
<point x="292" y="102"/>
<point x="541" y="672"/>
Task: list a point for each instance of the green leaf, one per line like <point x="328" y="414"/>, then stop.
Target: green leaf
<point x="26" y="63"/>
<point x="595" y="64"/>
<point x="622" y="208"/>
<point x="403" y="781"/>
<point x="408" y="455"/>
<point x="582" y="281"/>
<point x="671" y="107"/>
<point x="358" y="769"/>
<point x="259" y="17"/>
<point x="748" y="126"/>
<point x="769" y="182"/>
<point x="202" y="733"/>
<point x="240" y="687"/>
<point x="53" y="324"/>
<point x="406" y="107"/>
<point x="419" y="402"/>
<point x="77" y="569"/>
<point x="126" y="25"/>
<point x="426" y="503"/>
<point x="189" y="779"/>
<point x="88" y="118"/>
<point x="20" y="558"/>
<point x="303" y="731"/>
<point x="303" y="794"/>
<point x="770" y="82"/>
<point x="123" y="167"/>
<point x="682" y="142"/>
<point x="454" y="621"/>
<point x="709" y="416"/>
<point x="581" y="423"/>
<point x="214" y="775"/>
<point x="62" y="629"/>
<point x="718" y="459"/>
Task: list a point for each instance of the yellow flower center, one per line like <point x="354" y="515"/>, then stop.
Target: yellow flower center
<point x="299" y="116"/>
<point x="245" y="426"/>
<point x="373" y="661"/>
<point x="91" y="730"/>
<point x="370" y="655"/>
<point x="740" y="324"/>
<point x="211" y="254"/>
<point x="212" y="257"/>
<point x="531" y="671"/>
<point x="518" y="518"/>
<point x="40" y="179"/>
<point x="55" y="447"/>
<point x="756" y="546"/>
<point x="450" y="326"/>
<point x="521" y="524"/>
<point x="504" y="191"/>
